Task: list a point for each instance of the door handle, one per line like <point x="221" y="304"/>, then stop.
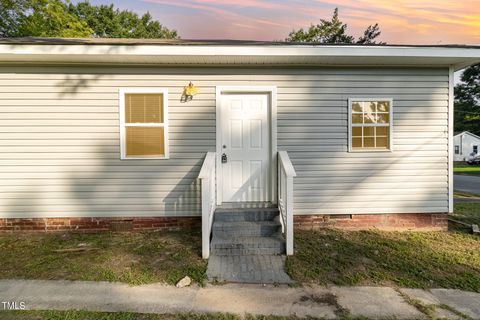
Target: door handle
<point x="224" y="158"/>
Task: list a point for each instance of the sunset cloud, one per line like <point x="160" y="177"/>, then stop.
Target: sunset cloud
<point x="401" y="21"/>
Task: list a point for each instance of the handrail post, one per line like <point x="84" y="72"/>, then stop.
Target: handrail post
<point x="286" y="173"/>
<point x="205" y="217"/>
<point x="289" y="209"/>
<point x="207" y="177"/>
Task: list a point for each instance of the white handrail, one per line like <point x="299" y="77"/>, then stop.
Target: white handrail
<point x="286" y="173"/>
<point x="207" y="177"/>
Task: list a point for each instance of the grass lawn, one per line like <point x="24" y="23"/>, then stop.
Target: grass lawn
<point x="460" y="168"/>
<point x="134" y="258"/>
<point x="84" y="315"/>
<point x="468" y="212"/>
<point x="405" y="259"/>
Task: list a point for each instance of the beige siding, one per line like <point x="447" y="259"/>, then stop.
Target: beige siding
<point x="59" y="140"/>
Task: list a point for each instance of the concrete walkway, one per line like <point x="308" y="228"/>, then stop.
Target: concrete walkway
<point x="314" y="301"/>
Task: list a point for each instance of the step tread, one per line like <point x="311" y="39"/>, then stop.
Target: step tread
<point x="242" y="210"/>
<point x="245" y="224"/>
<point x="246" y="240"/>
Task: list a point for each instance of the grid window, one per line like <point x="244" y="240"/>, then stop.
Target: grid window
<point x="370" y="124"/>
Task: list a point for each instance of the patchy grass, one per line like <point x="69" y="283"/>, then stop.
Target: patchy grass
<point x="405" y="259"/>
<point x="462" y="168"/>
<point x="86" y="315"/>
<point x="468" y="212"/>
<point x="133" y="258"/>
<point x="465" y="195"/>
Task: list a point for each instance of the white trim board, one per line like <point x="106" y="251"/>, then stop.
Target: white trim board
<point x="278" y="54"/>
<point x="451" y="154"/>
<point x="272" y="91"/>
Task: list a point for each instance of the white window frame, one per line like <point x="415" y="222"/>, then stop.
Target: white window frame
<point x="146" y="90"/>
<point x="390" y="135"/>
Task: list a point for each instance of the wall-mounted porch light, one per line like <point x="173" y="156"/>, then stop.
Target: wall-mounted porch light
<point x="188" y="92"/>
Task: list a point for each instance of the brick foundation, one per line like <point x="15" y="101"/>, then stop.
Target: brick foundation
<point x="390" y="222"/>
<point x="397" y="222"/>
<point x="84" y="224"/>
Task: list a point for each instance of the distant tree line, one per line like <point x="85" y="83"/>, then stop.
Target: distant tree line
<point x="58" y="18"/>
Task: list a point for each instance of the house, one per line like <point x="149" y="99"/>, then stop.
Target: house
<point x="465" y="143"/>
<point x="102" y="133"/>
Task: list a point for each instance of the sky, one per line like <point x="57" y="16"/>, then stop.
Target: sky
<point x="401" y="21"/>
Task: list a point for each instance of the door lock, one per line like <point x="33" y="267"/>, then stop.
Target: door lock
<point x="224" y="158"/>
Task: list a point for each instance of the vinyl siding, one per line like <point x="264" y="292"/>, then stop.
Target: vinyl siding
<point x="60" y="153"/>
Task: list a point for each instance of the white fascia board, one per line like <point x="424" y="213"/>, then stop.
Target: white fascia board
<point x="457" y="57"/>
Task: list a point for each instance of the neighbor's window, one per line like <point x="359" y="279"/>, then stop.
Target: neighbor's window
<point x="457" y="149"/>
<point x="475" y="149"/>
<point x="143" y="120"/>
<point x="370" y="123"/>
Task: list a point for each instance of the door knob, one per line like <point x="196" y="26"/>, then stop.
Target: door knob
<point x="224" y="158"/>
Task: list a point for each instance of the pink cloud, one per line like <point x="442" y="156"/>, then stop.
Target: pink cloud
<point x="401" y="21"/>
<point x="225" y="14"/>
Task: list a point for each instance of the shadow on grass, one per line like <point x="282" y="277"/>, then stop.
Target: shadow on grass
<point x="407" y="259"/>
<point x="134" y="258"/>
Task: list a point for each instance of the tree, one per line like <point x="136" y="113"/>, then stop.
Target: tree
<point x="108" y="22"/>
<point x="467" y="101"/>
<point x="49" y="18"/>
<point x="333" y="31"/>
<point x="11" y="11"/>
<point x="60" y="18"/>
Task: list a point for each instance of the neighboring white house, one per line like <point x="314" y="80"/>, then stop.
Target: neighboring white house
<point x="465" y="144"/>
<point x="93" y="130"/>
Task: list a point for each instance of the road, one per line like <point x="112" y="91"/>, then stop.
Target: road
<point x="466" y="183"/>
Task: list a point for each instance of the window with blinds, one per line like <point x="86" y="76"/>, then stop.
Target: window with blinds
<point x="144" y="125"/>
<point x="370" y="124"/>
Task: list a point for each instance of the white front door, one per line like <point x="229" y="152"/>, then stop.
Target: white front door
<point x="245" y="143"/>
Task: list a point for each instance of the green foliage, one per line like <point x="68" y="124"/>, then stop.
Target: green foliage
<point x="108" y="22"/>
<point x="467" y="101"/>
<point x="333" y="31"/>
<point x="11" y="11"/>
<point x="60" y="18"/>
<point x="48" y="18"/>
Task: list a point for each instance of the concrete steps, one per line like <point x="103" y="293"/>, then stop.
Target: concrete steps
<point x="247" y="246"/>
<point x="247" y="231"/>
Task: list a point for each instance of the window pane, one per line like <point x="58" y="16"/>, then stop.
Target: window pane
<point x="356" y="142"/>
<point x="382" y="142"/>
<point x="369" y="117"/>
<point x="357" y="107"/>
<point x="370" y="107"/>
<point x="383" y="118"/>
<point x="368" y="131"/>
<point x="356" y="118"/>
<point x="144" y="108"/>
<point x="356" y="131"/>
<point x="145" y="141"/>
<point x="383" y="106"/>
<point x="369" y="142"/>
<point x="382" y="131"/>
